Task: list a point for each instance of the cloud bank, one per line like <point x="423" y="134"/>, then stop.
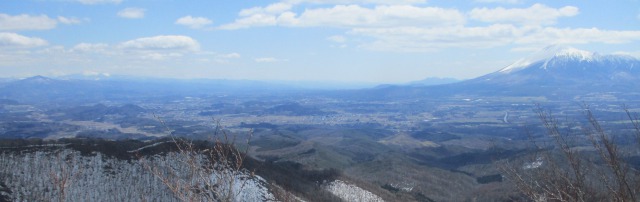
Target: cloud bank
<point x="410" y="26"/>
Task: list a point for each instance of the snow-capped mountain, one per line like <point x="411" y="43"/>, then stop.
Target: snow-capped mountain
<point x="556" y="72"/>
<point x="560" y="71"/>
<point x="558" y="65"/>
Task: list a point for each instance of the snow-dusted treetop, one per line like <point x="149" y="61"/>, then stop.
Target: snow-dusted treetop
<point x="550" y="52"/>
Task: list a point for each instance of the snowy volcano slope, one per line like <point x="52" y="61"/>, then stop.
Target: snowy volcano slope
<point x="566" y="65"/>
<point x="557" y="72"/>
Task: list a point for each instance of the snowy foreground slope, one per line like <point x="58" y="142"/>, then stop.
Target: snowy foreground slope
<point x="52" y="173"/>
<point x="68" y="176"/>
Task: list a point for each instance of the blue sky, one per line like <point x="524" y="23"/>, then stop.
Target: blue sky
<point x="381" y="41"/>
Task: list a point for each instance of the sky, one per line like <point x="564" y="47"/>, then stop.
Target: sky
<point x="375" y="41"/>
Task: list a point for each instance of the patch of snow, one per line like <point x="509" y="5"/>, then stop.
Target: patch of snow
<point x="252" y="188"/>
<point x="349" y="192"/>
<point x="505" y="119"/>
<point x="148" y="146"/>
<point x="531" y="165"/>
<point x="37" y="146"/>
<point x="406" y="187"/>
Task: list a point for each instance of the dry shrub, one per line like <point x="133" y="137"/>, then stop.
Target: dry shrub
<point x="565" y="173"/>
<point x="211" y="173"/>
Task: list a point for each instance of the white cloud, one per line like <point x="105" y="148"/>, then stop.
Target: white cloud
<point x="89" y="47"/>
<point x="337" y="38"/>
<point x="193" y="22"/>
<point x="229" y="55"/>
<point x="8" y="39"/>
<point x="133" y="13"/>
<point x="538" y="14"/>
<point x="32" y="22"/>
<point x="69" y="21"/>
<point x="256" y="20"/>
<point x="147" y="54"/>
<point x="269" y="60"/>
<point x="221" y="58"/>
<point x="624" y="53"/>
<point x="409" y="27"/>
<point x="349" y="16"/>
<point x="430" y="39"/>
<point x="552" y="35"/>
<point x="261" y="16"/>
<point x="163" y="42"/>
<point x="147" y="48"/>
<point x="93" y="2"/>
<point x="159" y="55"/>
<point x="136" y="50"/>
<point x="52" y="49"/>
<point x="94" y="73"/>
<point x="380" y="16"/>
<point x="378" y="2"/>
<point x="500" y="1"/>
<point x="26" y="22"/>
<point x="271" y="9"/>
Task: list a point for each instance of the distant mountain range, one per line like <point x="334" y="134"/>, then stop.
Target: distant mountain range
<point x="432" y="81"/>
<point x="39" y="89"/>
<point x="555" y="72"/>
